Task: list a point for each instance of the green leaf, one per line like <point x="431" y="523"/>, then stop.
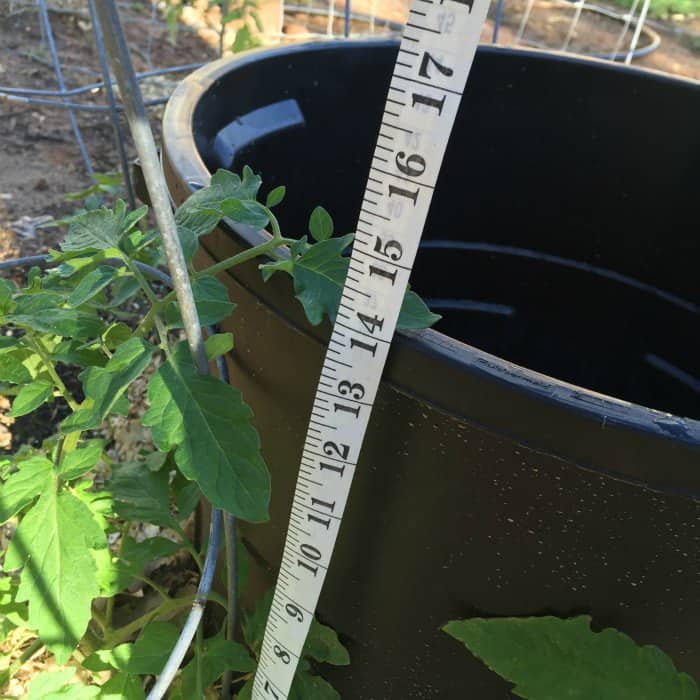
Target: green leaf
<point x="275" y="196"/>
<point x="320" y="224"/>
<point x="211" y="299"/>
<point x="59" y="579"/>
<point x="7" y="290"/>
<point x="244" y="40"/>
<point x="140" y="494"/>
<point x="548" y="658"/>
<point x="92" y="284"/>
<point x="103" y="386"/>
<point x="120" y="571"/>
<point x="268" y="269"/>
<point x="81" y="460"/>
<point x="57" y="321"/>
<point x="319" y="275"/>
<point x="323" y="645"/>
<point x="32" y="477"/>
<point x="12" y="368"/>
<point x="248" y="212"/>
<point x="73" y="352"/>
<point x="218" y="344"/>
<point x="31" y="396"/>
<point x="210" y="425"/>
<point x="12" y="613"/>
<point x="147" y="654"/>
<point x="187" y="499"/>
<point x="189" y="239"/>
<point x="307" y="686"/>
<point x="218" y="655"/>
<point x="122" y="686"/>
<point x="123" y="288"/>
<point x="116" y="334"/>
<point x="415" y="314"/>
<point x="100" y="229"/>
<point x="246" y="692"/>
<point x="201" y="211"/>
<point x="57" y="686"/>
<point x="254" y="623"/>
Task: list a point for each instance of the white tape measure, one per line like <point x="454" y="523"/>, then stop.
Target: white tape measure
<point x="435" y="56"/>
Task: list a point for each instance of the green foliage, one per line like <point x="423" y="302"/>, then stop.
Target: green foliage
<point x="322" y="646"/>
<point x="74" y="555"/>
<point x="548" y="658"/>
<point x="210" y="427"/>
<point x="59" y="578"/>
<point x="665" y="8"/>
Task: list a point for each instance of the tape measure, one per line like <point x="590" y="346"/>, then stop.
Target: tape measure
<point x="436" y="53"/>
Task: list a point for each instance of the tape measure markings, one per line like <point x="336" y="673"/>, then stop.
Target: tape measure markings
<point x="423" y="98"/>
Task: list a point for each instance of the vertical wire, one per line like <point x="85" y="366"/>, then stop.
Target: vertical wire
<point x="574" y="23"/>
<point x="348" y="6"/>
<point x="523" y="22"/>
<point x="114" y="114"/>
<point x="46" y="24"/>
<point x="497" y="21"/>
<point x="637" y="32"/>
<point x="625" y="29"/>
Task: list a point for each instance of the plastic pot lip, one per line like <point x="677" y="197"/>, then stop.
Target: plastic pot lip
<point x="594" y="430"/>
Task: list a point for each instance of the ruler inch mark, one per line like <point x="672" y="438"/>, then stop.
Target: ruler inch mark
<point x="420" y="82"/>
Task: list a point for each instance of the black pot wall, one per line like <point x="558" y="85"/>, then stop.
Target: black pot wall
<point x="499" y="476"/>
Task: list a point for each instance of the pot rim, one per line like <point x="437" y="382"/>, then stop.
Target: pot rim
<point x="597" y="431"/>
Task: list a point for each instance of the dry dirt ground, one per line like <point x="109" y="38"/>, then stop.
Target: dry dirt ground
<point x="39" y="160"/>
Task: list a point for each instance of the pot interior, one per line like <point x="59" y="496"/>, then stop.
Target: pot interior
<point x="563" y="230"/>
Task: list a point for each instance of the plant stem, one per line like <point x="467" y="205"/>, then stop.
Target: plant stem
<point x="167" y="606"/>
<point x="44" y="355"/>
<point x="109" y="610"/>
<point x="25" y="656"/>
<point x="243" y="256"/>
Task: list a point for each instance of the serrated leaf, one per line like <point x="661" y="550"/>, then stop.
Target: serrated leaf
<point x="73" y="352"/>
<point x="244" y="40"/>
<point x="548" y="658"/>
<point x="189" y="240"/>
<point x="123" y="288"/>
<point x="32" y="477"/>
<point x="116" y="334"/>
<point x="147" y="654"/>
<point x="68" y="323"/>
<point x="92" y="284"/>
<point x="122" y="686"/>
<point x="218" y="344"/>
<point x="58" y="685"/>
<point x="268" y="269"/>
<point x="100" y="229"/>
<point x="248" y="212"/>
<point x="7" y="290"/>
<point x="103" y="386"/>
<point x="415" y="314"/>
<point x="217" y="656"/>
<point x="320" y="224"/>
<point x="140" y="494"/>
<point x="53" y="543"/>
<point x="201" y="211"/>
<point x="319" y="275"/>
<point x="211" y="299"/>
<point x="31" y="396"/>
<point x="210" y="426"/>
<point x="322" y="645"/>
<point x="80" y="460"/>
<point x="307" y="686"/>
<point x="254" y="623"/>
<point x="118" y="573"/>
<point x="275" y="196"/>
<point x="12" y="368"/>
<point x="12" y="613"/>
<point x="187" y="499"/>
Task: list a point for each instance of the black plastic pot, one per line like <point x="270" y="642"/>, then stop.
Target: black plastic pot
<point x="539" y="451"/>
